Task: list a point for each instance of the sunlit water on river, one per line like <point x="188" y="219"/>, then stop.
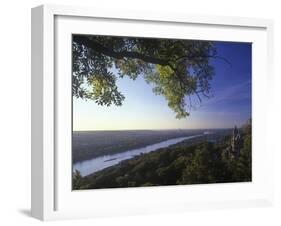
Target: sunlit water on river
<point x="96" y="164"/>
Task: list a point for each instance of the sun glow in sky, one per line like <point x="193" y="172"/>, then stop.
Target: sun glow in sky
<point x="229" y="105"/>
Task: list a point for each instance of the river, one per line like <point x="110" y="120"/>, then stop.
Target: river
<point x="96" y="164"/>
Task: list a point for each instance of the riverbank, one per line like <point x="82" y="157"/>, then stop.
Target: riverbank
<point x="91" y="144"/>
<point x="187" y="162"/>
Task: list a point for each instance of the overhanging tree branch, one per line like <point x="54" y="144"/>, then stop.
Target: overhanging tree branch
<point x="178" y="68"/>
<point x="83" y="40"/>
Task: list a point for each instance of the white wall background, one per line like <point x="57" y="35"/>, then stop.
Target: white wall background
<point x="15" y="112"/>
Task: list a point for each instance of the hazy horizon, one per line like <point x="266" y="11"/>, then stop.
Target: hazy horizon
<point x="153" y="129"/>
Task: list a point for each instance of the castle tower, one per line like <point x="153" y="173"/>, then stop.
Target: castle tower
<point x="235" y="141"/>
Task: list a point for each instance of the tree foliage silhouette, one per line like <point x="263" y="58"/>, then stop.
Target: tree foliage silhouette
<point x="176" y="69"/>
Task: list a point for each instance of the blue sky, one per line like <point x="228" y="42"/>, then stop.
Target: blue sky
<point x="229" y="105"/>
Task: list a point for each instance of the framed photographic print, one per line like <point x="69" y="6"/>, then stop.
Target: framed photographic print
<point x="136" y="112"/>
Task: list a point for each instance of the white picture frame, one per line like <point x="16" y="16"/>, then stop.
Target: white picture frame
<point x="52" y="197"/>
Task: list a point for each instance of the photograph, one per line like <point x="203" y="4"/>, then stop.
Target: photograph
<point x="158" y="112"/>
